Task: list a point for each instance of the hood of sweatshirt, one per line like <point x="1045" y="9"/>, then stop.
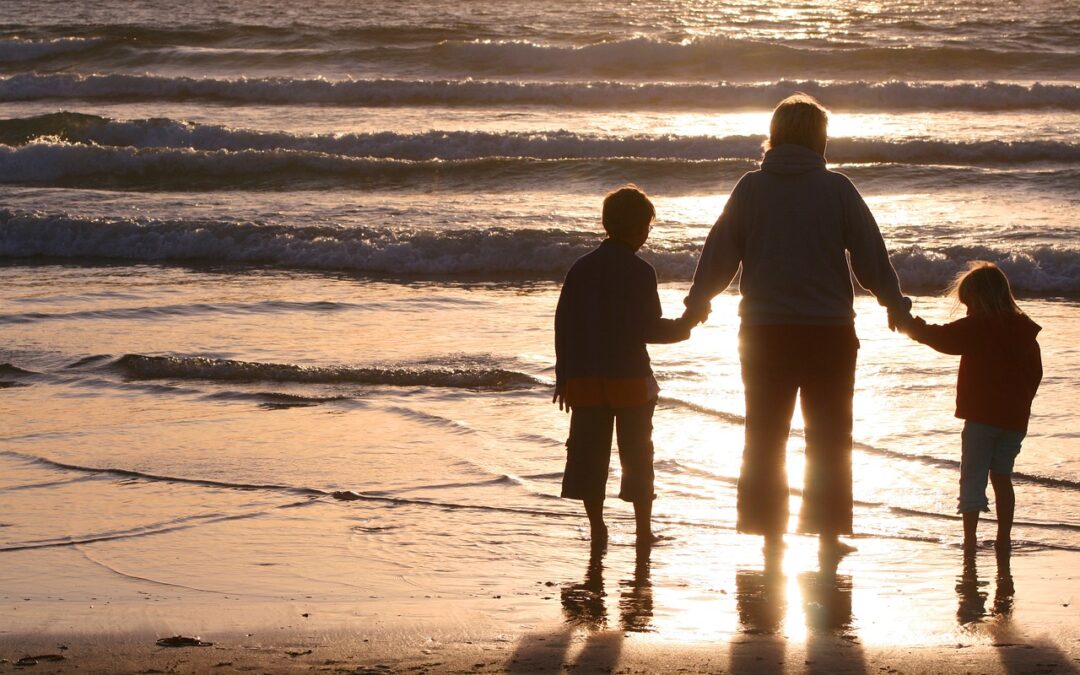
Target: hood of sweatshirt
<point x="1022" y="326"/>
<point x="1008" y="328"/>
<point x="791" y="159"/>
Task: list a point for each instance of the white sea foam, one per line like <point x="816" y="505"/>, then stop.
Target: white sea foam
<point x="85" y="146"/>
<point x="523" y="253"/>
<point x="886" y="95"/>
<point x="173" y="367"/>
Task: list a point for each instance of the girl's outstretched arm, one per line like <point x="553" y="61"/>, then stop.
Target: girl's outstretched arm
<point x="951" y="338"/>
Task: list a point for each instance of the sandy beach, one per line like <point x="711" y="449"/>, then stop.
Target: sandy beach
<point x="891" y="607"/>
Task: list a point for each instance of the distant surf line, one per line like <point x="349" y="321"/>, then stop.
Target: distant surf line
<point x="856" y="95"/>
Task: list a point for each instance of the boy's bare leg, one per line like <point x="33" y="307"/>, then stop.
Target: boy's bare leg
<point x="1005" y="500"/>
<point x="594" y="508"/>
<point x="643" y="520"/>
<point x="971" y="523"/>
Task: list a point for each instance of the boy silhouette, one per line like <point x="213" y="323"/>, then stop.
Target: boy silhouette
<point x="608" y="311"/>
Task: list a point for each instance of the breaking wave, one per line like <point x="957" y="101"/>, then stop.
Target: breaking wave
<point x="485" y="253"/>
<point x="38" y="144"/>
<point x="638" y="57"/>
<point x="138" y="366"/>
<point x="601" y="94"/>
<point x="8" y="370"/>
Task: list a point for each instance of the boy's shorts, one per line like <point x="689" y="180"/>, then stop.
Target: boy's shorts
<point x="588" y="452"/>
<point x="984" y="449"/>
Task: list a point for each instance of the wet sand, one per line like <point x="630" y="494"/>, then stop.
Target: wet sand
<point x="939" y="613"/>
<point x="552" y="651"/>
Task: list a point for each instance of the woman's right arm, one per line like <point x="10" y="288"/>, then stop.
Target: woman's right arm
<point x="720" y="257"/>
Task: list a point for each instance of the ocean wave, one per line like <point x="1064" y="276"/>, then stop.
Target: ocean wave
<point x="456" y="161"/>
<point x="53" y="133"/>
<point x="701" y="58"/>
<point x="847" y="96"/>
<point x="729" y="58"/>
<point x="275" y="400"/>
<point x="9" y="370"/>
<point x="90" y="166"/>
<point x="1044" y="270"/>
<point x="188" y="309"/>
<point x="484" y="253"/>
<point x="138" y="366"/>
<point x="18" y="50"/>
<point x="380" y="250"/>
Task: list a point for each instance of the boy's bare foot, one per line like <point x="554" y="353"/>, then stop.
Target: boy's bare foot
<point x="650" y="538"/>
<point x="598" y="535"/>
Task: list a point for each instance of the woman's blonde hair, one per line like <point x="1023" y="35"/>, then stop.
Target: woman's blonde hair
<point x="799" y="119"/>
<point x="984" y="289"/>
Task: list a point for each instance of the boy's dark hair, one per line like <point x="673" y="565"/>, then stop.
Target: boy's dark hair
<point x="627" y="210"/>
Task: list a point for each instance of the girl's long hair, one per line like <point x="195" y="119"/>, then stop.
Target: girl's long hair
<point x="984" y="289"/>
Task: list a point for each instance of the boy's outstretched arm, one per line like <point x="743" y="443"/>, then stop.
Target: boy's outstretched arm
<point x="659" y="330"/>
<point x="667" y="331"/>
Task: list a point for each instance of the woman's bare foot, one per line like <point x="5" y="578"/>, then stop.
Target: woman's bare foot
<point x="831" y="545"/>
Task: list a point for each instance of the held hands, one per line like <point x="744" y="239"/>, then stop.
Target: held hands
<point x="900" y="317"/>
<point x="683" y="326"/>
<point x="696" y="315"/>
<point x="690" y="318"/>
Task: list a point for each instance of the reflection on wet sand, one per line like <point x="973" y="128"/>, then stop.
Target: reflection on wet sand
<point x="583" y="603"/>
<point x="636" y="600"/>
<point x="584" y="608"/>
<point x="761" y="598"/>
<point x="761" y="603"/>
<point x="831" y="642"/>
<point x="971" y="593"/>
<point x="997" y="623"/>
